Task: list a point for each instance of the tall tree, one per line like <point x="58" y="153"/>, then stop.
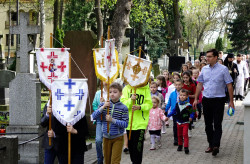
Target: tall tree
<point x="177" y="24"/>
<point x="56" y="13"/>
<point x="240" y="26"/>
<point x="120" y="22"/>
<point x="42" y="24"/>
<point x="61" y="13"/>
<point x="99" y="19"/>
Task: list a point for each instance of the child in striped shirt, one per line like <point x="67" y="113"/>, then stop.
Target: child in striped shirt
<point x="117" y="120"/>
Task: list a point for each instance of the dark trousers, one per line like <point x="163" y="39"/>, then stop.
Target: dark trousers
<point x="175" y="129"/>
<point x="49" y="156"/>
<point x="213" y="109"/>
<point x="135" y="145"/>
<point x="75" y="158"/>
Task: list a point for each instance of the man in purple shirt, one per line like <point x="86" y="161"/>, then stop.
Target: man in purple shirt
<point x="214" y="78"/>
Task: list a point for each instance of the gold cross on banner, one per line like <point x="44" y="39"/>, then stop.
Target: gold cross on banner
<point x="113" y="62"/>
<point x="144" y="71"/>
<point x="134" y="77"/>
<point x="129" y="65"/>
<point x="99" y="64"/>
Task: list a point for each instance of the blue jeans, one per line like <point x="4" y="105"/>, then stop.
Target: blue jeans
<point x="98" y="141"/>
<point x="49" y="156"/>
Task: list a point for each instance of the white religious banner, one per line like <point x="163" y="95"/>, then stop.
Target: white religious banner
<point x="69" y="98"/>
<point x="136" y="71"/>
<point x="100" y="69"/>
<point x="52" y="63"/>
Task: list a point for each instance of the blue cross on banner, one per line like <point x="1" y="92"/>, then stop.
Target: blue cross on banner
<point x="69" y="105"/>
<point x="78" y="112"/>
<point x="69" y="83"/>
<point x="69" y="97"/>
<point x="59" y="94"/>
<point x="80" y="94"/>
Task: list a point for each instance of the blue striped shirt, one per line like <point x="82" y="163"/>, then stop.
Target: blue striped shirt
<point x="214" y="80"/>
<point x="119" y="113"/>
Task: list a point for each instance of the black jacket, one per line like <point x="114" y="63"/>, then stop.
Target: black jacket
<point x="78" y="141"/>
<point x="45" y="123"/>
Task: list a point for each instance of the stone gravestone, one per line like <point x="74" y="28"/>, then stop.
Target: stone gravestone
<point x="81" y="44"/>
<point x="2" y="57"/>
<point x="175" y="61"/>
<point x="25" y="31"/>
<point x="5" y="77"/>
<point x="25" y="97"/>
<point x="143" y="43"/>
<point x="132" y="35"/>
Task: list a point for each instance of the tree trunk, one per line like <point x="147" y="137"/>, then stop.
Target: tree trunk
<point x="55" y="16"/>
<point x="163" y="9"/>
<point x="61" y="14"/>
<point x="120" y="22"/>
<point x="99" y="19"/>
<point x="177" y="23"/>
<point x="42" y="24"/>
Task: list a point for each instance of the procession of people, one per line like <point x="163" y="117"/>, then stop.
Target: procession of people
<point x="123" y="115"/>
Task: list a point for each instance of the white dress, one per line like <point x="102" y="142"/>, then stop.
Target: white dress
<point x="243" y="73"/>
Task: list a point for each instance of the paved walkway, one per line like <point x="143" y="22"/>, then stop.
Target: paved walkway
<point x="231" y="150"/>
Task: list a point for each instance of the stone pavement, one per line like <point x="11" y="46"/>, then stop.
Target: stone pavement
<point x="231" y="150"/>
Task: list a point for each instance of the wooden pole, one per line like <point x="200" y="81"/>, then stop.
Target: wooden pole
<point x="69" y="134"/>
<point x="108" y="85"/>
<point x="101" y="81"/>
<point x="131" y="122"/>
<point x="50" y="103"/>
<point x="132" y="119"/>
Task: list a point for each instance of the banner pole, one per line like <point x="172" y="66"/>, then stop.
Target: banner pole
<point x="50" y="103"/>
<point x="131" y="123"/>
<point x="101" y="80"/>
<point x="108" y="85"/>
<point x="69" y="134"/>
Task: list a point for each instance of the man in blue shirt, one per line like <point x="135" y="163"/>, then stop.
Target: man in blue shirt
<point x="214" y="78"/>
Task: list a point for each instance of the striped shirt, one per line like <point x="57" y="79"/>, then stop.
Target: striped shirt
<point x="119" y="113"/>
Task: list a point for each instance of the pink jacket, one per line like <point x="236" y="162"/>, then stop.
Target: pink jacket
<point x="155" y="117"/>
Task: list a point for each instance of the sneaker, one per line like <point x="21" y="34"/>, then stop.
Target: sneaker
<point x="190" y="133"/>
<point x="152" y="147"/>
<point x="163" y="132"/>
<point x="126" y="151"/>
<point x="186" y="150"/>
<point x="179" y="148"/>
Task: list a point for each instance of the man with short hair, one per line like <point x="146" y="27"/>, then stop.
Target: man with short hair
<point x="214" y="78"/>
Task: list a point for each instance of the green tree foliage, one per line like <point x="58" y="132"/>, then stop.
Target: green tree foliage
<point x="219" y="44"/>
<point x="240" y="26"/>
<point x="59" y="35"/>
<point x="148" y="20"/>
<point x="77" y="12"/>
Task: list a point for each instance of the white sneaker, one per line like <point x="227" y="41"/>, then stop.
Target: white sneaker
<point x="152" y="147"/>
<point x="190" y="133"/>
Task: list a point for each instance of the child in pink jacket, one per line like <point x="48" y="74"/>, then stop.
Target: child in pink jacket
<point x="156" y="116"/>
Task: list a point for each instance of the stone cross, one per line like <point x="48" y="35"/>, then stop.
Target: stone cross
<point x="132" y="35"/>
<point x="143" y="45"/>
<point x="24" y="29"/>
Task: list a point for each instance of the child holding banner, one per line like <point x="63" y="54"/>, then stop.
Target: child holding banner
<point x="118" y="120"/>
<point x="143" y="104"/>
